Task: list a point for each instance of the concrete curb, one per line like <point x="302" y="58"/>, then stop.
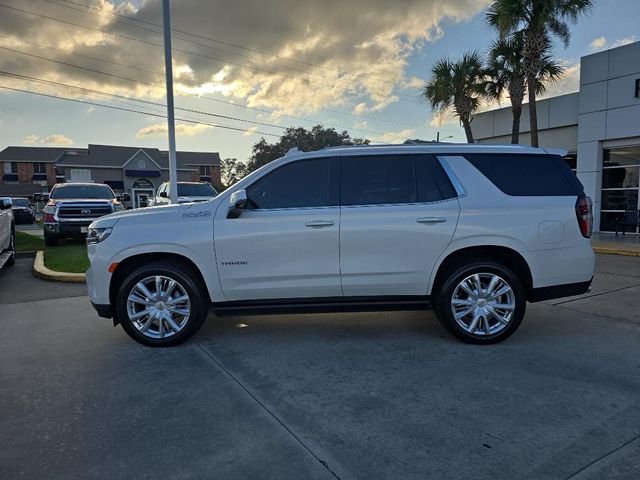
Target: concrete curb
<point x="617" y="251"/>
<point x="40" y="271"/>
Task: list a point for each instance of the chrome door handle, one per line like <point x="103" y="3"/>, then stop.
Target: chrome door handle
<point x="431" y="220"/>
<point x="319" y="223"/>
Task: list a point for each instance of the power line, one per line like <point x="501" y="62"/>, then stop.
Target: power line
<point x="186" y="52"/>
<point x="140" y="112"/>
<point x="156" y="85"/>
<point x="134" y="99"/>
<point x="231" y="44"/>
<point x="339" y="112"/>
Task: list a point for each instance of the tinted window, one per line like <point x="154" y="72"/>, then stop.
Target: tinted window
<point x="196" y="190"/>
<point x="82" y="191"/>
<point x="528" y="174"/>
<point x="307" y="183"/>
<point x="388" y="179"/>
<point x="378" y="179"/>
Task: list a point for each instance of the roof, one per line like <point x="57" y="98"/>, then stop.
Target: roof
<point x="433" y="148"/>
<point x="114" y="156"/>
<point x="31" y="154"/>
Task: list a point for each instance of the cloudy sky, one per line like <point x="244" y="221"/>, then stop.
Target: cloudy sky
<point x="253" y="66"/>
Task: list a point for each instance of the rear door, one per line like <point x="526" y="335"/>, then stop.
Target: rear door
<point x="399" y="212"/>
<point x="286" y="245"/>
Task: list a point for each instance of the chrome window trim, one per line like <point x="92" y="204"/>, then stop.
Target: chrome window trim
<point x="455" y="181"/>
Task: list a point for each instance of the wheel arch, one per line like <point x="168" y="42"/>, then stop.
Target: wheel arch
<point x="508" y="256"/>
<point x="129" y="264"/>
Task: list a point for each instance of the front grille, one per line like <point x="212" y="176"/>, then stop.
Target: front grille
<point x="84" y="211"/>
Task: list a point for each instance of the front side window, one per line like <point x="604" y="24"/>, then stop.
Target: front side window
<point x="393" y="179"/>
<point x="302" y="184"/>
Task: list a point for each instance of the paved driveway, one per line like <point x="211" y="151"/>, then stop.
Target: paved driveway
<point x="386" y="395"/>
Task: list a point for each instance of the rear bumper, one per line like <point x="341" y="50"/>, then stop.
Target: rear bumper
<point x="559" y="291"/>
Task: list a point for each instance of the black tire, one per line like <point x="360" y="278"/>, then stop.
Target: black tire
<point x="12" y="247"/>
<point x="50" y="239"/>
<point x="453" y="278"/>
<point x="196" y="291"/>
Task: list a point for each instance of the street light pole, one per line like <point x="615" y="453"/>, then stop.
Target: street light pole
<point x="168" y="68"/>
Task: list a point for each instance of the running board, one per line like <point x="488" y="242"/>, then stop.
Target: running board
<point x="4" y="258"/>
<point x="321" y="305"/>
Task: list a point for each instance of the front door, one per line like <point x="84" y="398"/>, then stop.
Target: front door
<point x="142" y="198"/>
<point x="286" y="245"/>
<point x="399" y="213"/>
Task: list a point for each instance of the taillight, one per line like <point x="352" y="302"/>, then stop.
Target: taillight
<point x="584" y="212"/>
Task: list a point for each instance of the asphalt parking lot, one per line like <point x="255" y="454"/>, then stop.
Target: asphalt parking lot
<point x="386" y="395"/>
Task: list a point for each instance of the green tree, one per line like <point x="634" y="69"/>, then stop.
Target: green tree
<point x="232" y="170"/>
<point x="306" y="140"/>
<point x="538" y="21"/>
<point x="458" y="85"/>
<point x="506" y="73"/>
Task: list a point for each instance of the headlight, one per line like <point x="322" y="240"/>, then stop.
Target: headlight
<point x="98" y="234"/>
<point x="118" y="207"/>
<point x="50" y="209"/>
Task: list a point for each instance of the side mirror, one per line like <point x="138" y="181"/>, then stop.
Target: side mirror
<point x="125" y="197"/>
<point x="37" y="197"/>
<point x="237" y="203"/>
<point x="5" y="203"/>
<point x="164" y="195"/>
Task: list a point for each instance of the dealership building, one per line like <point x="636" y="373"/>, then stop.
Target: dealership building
<point x="599" y="126"/>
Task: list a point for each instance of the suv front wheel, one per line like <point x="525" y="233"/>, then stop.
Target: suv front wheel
<point x="482" y="302"/>
<point x="161" y="305"/>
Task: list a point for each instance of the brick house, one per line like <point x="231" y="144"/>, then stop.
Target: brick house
<point x="138" y="171"/>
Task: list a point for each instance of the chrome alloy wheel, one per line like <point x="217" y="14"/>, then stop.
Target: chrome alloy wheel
<point x="158" y="307"/>
<point x="483" y="304"/>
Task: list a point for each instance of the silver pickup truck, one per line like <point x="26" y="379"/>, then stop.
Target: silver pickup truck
<point x="73" y="206"/>
<point x="7" y="233"/>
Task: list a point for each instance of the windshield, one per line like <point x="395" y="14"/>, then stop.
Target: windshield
<point x="196" y="190"/>
<point x="20" y="202"/>
<point x="82" y="191"/>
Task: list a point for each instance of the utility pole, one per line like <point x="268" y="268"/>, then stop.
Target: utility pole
<point x="168" y="69"/>
<point x="437" y="137"/>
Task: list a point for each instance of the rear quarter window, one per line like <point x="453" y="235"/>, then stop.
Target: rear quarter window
<point x="528" y="174"/>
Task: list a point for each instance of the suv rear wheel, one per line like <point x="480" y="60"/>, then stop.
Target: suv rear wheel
<point x="482" y="302"/>
<point x="160" y="305"/>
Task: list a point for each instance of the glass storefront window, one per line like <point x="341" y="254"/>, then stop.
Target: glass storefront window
<point x="620" y="185"/>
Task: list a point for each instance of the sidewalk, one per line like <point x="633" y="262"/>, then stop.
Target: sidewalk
<point x="628" y="244"/>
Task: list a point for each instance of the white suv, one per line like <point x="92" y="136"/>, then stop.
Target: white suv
<point x="473" y="231"/>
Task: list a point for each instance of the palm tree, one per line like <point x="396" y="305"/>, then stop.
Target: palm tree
<point x="538" y="21"/>
<point x="458" y="85"/>
<point x="506" y="72"/>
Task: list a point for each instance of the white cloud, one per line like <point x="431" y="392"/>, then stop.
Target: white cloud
<point x="624" y="41"/>
<point x="56" y="139"/>
<point x="182" y="130"/>
<point x="367" y="38"/>
<point x="394" y="137"/>
<point x="598" y="43"/>
<point x="568" y="83"/>
<point x="30" y="139"/>
<point x="250" y="131"/>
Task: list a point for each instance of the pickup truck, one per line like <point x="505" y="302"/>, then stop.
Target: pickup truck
<point x="73" y="206"/>
<point x="7" y="233"/>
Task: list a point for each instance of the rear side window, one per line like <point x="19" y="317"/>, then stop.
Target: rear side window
<point x="393" y="179"/>
<point x="528" y="174"/>
<point x="301" y="184"/>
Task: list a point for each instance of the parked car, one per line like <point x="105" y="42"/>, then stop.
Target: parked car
<point x="474" y="231"/>
<point x="7" y="234"/>
<point x="22" y="211"/>
<point x="187" y="192"/>
<point x="73" y="206"/>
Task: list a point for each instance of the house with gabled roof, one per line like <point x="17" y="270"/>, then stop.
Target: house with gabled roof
<point x="138" y="171"/>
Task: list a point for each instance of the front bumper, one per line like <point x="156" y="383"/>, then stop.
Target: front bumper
<point x="64" y="229"/>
